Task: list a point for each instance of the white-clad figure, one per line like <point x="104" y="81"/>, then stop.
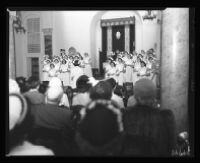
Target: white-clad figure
<point x="76" y="72"/>
<point x="57" y="64"/>
<point x="45" y="69"/>
<point x="149" y="67"/>
<point x="136" y="69"/>
<point x="142" y="73"/>
<point x="64" y="72"/>
<point x="107" y="66"/>
<point x="53" y="72"/>
<point x="129" y="68"/>
<point x="121" y="70"/>
<point x="87" y="63"/>
<point x="112" y="71"/>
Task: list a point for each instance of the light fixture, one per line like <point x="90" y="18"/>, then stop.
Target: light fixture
<point x="149" y="15"/>
<point x="17" y="24"/>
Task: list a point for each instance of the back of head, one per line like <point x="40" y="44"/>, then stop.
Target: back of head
<point x="54" y="94"/>
<point x="99" y="128"/>
<point x="112" y="82"/>
<point x="33" y="82"/>
<point x="102" y="90"/>
<point x="145" y="91"/>
<point x="21" y="81"/>
<point x="82" y="83"/>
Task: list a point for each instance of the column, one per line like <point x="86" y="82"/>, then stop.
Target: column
<point x="175" y="64"/>
<point x="12" y="58"/>
<point x="127" y="38"/>
<point x="109" y="38"/>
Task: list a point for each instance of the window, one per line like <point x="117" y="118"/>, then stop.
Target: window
<point x="33" y="34"/>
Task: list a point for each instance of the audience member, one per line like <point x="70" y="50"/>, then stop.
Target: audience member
<point x="82" y="97"/>
<point x="34" y="96"/>
<point x="115" y="97"/>
<point x="21" y="81"/>
<point x="100" y="129"/>
<point x="20" y="126"/>
<point x="102" y="90"/>
<point x="149" y="130"/>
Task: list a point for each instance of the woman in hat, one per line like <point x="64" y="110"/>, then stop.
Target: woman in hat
<point x="99" y="129"/>
<point x="87" y="62"/>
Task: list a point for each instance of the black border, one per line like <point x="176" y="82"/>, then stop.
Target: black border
<point x="103" y="5"/>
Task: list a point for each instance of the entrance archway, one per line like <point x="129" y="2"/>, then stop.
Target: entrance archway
<point x="95" y="34"/>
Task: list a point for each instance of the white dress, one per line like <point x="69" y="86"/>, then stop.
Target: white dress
<point x="112" y="71"/>
<point x="64" y="74"/>
<point x="57" y="67"/>
<point x="137" y="67"/>
<point x="52" y="73"/>
<point x="129" y="71"/>
<point x="87" y="69"/>
<point x="120" y="77"/>
<point x="142" y="72"/>
<point x="106" y="68"/>
<point x="45" y="70"/>
<point x="76" y="72"/>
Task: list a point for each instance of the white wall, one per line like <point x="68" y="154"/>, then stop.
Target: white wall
<point x="72" y="28"/>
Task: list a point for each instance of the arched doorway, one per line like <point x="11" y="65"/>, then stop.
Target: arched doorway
<point x="96" y="33"/>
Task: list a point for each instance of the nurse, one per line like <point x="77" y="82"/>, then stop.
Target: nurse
<point x="64" y="73"/>
<point x="121" y="71"/>
<point x="87" y="65"/>
<point x="45" y="69"/>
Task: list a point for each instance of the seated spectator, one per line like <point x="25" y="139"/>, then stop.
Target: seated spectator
<point x="20" y="126"/>
<point x="21" y="81"/>
<point x="34" y="96"/>
<point x="99" y="129"/>
<point x="82" y="97"/>
<point x="42" y="88"/>
<point x="102" y="90"/>
<point x="54" y="122"/>
<point x="115" y="97"/>
<point x="149" y="130"/>
<point x="50" y="115"/>
<point x="56" y="83"/>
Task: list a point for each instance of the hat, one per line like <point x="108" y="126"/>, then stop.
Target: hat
<point x="102" y="90"/>
<point x="101" y="122"/>
<point x="54" y="93"/>
<point x="55" y="82"/>
<point x="13" y="86"/>
<point x="145" y="89"/>
<point x="83" y="84"/>
<point x="17" y="109"/>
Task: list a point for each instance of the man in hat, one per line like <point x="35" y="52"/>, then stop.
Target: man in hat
<point x="150" y="129"/>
